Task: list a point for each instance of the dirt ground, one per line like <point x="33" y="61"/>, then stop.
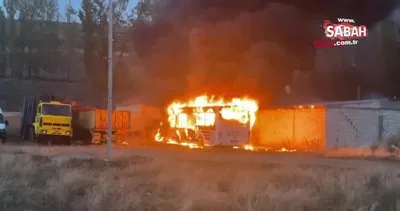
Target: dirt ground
<point x="15" y="118"/>
<point x="71" y="178"/>
<point x="170" y="178"/>
<point x="179" y="153"/>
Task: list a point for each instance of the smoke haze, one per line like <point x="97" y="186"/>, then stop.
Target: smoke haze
<point x="239" y="47"/>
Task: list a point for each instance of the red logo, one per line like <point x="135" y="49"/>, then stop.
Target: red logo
<point x="344" y="31"/>
<point x="324" y="44"/>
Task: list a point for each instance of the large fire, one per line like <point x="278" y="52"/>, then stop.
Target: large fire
<point x="242" y="110"/>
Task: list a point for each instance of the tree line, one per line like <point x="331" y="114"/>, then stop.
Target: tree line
<point x="36" y="37"/>
<point x="189" y="47"/>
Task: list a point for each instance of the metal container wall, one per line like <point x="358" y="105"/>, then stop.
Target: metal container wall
<point x="310" y="128"/>
<point x="275" y="127"/>
<point x="143" y="116"/>
<point x="120" y="119"/>
<point x="390" y="123"/>
<point x="352" y="127"/>
<point x="97" y="120"/>
<point x="28" y="111"/>
<point x="335" y="125"/>
<point x="297" y="128"/>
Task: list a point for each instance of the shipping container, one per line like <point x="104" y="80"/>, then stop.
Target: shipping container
<point x="97" y="120"/>
<point x="90" y="125"/>
<point x="142" y="116"/>
<point x="145" y="119"/>
<point x="301" y="128"/>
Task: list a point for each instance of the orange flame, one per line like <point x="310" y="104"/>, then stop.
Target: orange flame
<point x="239" y="109"/>
<point x="203" y="113"/>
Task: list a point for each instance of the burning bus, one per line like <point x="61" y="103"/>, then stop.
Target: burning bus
<point x="207" y="121"/>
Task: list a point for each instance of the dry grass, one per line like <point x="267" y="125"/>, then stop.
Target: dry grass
<point x="388" y="148"/>
<point x="31" y="182"/>
<point x="362" y="152"/>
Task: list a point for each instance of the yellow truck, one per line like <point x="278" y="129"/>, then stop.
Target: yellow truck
<point x="46" y="120"/>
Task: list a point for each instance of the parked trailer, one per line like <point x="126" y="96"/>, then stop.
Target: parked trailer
<point x="145" y="120"/>
<point x="90" y="125"/>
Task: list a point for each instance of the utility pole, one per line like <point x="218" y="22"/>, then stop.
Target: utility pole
<point x="110" y="80"/>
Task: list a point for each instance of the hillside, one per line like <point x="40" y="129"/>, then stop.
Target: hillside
<point x="12" y="92"/>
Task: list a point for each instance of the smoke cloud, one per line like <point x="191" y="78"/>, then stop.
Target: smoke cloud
<point x="239" y="47"/>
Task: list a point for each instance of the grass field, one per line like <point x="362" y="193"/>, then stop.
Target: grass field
<point x="34" y="182"/>
<point x="41" y="178"/>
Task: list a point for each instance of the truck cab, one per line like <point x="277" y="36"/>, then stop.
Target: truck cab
<point x="46" y="119"/>
<point x="52" y="122"/>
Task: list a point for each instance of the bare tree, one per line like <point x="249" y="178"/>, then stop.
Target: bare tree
<point x="37" y="35"/>
<point x="93" y="15"/>
<point x="2" y="30"/>
<point x="3" y="61"/>
<point x="70" y="13"/>
<point x="143" y="11"/>
<point x="51" y="10"/>
<point x="11" y="10"/>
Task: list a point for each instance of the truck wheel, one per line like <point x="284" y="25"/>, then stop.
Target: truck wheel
<point x="68" y="141"/>
<point x="40" y="140"/>
<point x="43" y="140"/>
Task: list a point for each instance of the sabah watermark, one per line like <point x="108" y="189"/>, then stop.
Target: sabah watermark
<point x="340" y="34"/>
<point x="333" y="44"/>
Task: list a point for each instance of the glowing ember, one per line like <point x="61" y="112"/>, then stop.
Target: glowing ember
<point x="190" y="145"/>
<point x="172" y="142"/>
<point x="283" y="149"/>
<point x="249" y="147"/>
<point x="158" y="137"/>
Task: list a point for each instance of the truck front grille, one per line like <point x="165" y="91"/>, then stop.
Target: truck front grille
<point x="55" y="124"/>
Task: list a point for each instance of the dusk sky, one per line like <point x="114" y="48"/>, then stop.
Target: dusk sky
<point x="77" y="3"/>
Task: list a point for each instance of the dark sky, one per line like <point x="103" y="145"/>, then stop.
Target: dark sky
<point x="233" y="36"/>
<point x="365" y="12"/>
